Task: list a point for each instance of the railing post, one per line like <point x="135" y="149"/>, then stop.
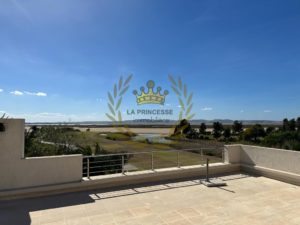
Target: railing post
<point x="88" y="167"/>
<point x="123" y="172"/>
<point x="207" y="170"/>
<point x="152" y="161"/>
<point x="178" y="164"/>
<point x="223" y="154"/>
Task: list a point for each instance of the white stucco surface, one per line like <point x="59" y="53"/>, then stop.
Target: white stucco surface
<point x="19" y="172"/>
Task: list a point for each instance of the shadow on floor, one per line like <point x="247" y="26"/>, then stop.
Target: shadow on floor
<point x="18" y="211"/>
<point x="15" y="212"/>
<point x="140" y="189"/>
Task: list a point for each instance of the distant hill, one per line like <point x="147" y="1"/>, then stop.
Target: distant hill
<point x="145" y="122"/>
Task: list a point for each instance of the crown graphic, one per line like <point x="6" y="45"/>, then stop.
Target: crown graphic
<point x="150" y="97"/>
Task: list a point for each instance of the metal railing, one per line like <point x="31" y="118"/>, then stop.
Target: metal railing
<point x="96" y="165"/>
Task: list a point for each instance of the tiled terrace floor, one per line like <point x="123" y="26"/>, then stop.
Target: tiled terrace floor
<point x="246" y="200"/>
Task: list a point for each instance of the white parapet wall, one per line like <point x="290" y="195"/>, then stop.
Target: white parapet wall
<point x="278" y="164"/>
<point x="16" y="171"/>
<point x="19" y="174"/>
<point x="37" y="176"/>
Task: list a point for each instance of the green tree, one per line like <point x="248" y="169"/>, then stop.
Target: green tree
<point x="30" y="136"/>
<point x="269" y="130"/>
<point x="217" y="129"/>
<point x="254" y="133"/>
<point x="202" y="129"/>
<point x="184" y="127"/>
<point x="227" y="133"/>
<point x="280" y="139"/>
<point x="292" y="125"/>
<point x="285" y="124"/>
<point x="98" y="149"/>
<point x="237" y="127"/>
<point x="298" y="124"/>
<point x="192" y="134"/>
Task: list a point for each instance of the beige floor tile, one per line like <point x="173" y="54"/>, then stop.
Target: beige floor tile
<point x="51" y="219"/>
<point x="250" y="200"/>
<point x="180" y="222"/>
<point x="78" y="221"/>
<point x="141" y="211"/>
<point x="122" y="215"/>
<point x="188" y="212"/>
<point x="171" y="216"/>
<point x="101" y="219"/>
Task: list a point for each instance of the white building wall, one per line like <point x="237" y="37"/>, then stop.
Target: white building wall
<point x="19" y="172"/>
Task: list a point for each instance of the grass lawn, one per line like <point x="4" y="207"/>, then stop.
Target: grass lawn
<point x="122" y="142"/>
<point x="167" y="159"/>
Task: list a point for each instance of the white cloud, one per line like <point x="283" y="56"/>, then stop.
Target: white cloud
<point x="242" y="111"/>
<point x="40" y="94"/>
<point x="267" y="111"/>
<point x="207" y="109"/>
<point x="17" y="93"/>
<point x="1" y="90"/>
<point x="29" y="93"/>
<point x="179" y="106"/>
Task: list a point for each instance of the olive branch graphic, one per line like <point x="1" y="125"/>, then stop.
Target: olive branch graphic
<point x="184" y="97"/>
<point x="115" y="100"/>
<point x="4" y="116"/>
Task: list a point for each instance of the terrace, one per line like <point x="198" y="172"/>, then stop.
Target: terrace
<point x="262" y="187"/>
<point x="247" y="199"/>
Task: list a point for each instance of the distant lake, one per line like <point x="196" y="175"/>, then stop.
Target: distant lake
<point x="153" y="138"/>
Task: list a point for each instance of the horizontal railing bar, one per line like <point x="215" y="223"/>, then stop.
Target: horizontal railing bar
<point x="119" y="170"/>
<point x="97" y="161"/>
<point x="117" y="154"/>
<point x="105" y="161"/>
<point x="201" y="158"/>
<point x="100" y="171"/>
<point x="158" y="166"/>
<point x="106" y="166"/>
<point x="158" y="163"/>
<point x="150" y="152"/>
<point x="102" y="166"/>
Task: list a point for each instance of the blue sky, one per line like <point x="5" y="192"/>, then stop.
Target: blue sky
<point x="59" y="58"/>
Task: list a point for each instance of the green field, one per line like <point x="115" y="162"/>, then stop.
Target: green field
<point x="55" y="140"/>
<point x="163" y="156"/>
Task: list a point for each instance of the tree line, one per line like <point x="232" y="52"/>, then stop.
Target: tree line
<point x="51" y="140"/>
<point x="285" y="136"/>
